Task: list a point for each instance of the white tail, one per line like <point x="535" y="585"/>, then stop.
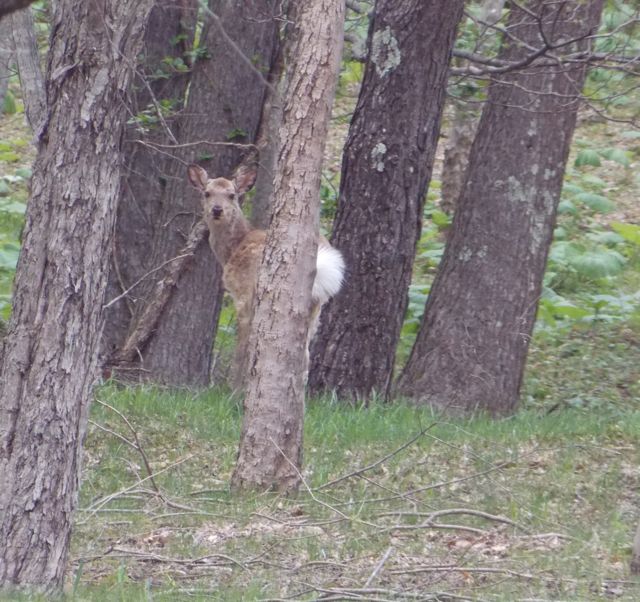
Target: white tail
<point x="239" y="250"/>
<point x="329" y="274"/>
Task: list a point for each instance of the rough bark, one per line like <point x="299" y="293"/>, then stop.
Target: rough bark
<point x="463" y="124"/>
<point x="9" y="6"/>
<point x="223" y="105"/>
<point x="28" y="62"/>
<point x="50" y="353"/>
<point x="140" y="210"/>
<point x="472" y="345"/>
<point x="387" y="164"/>
<point x="271" y="443"/>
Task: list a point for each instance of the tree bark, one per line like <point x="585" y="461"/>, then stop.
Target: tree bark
<point x="224" y="102"/>
<point x="6" y="57"/>
<point x="472" y="345"/>
<point x="140" y="209"/>
<point x="28" y="61"/>
<point x="50" y="353"/>
<point x="270" y="453"/>
<point x="635" y="553"/>
<point x="9" y="6"/>
<point x="386" y="167"/>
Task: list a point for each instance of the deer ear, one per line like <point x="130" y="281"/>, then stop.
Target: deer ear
<point x="245" y="178"/>
<point x="198" y="176"/>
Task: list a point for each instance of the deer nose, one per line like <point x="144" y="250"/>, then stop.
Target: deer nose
<point x="216" y="211"/>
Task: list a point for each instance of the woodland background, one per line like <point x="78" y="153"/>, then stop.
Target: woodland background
<point x="471" y="421"/>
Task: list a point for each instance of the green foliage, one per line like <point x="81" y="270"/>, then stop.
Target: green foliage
<point x="9" y="106"/>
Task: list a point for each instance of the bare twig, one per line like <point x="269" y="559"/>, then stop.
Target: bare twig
<point x="395" y="452"/>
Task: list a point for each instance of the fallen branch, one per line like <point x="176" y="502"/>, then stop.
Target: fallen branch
<point x="147" y="322"/>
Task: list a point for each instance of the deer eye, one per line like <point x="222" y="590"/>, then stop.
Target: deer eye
<point x="207" y="194"/>
<point x="232" y="195"/>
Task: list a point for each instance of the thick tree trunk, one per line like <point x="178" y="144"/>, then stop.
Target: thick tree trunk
<point x="51" y="351"/>
<point x="224" y="103"/>
<point x="271" y="444"/>
<point x="387" y="164"/>
<point x="472" y="345"/>
<point x="140" y="210"/>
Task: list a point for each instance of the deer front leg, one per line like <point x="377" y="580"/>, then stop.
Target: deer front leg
<point x="313" y="328"/>
<point x="240" y="366"/>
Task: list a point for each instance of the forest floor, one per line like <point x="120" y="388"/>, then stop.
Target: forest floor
<point x="397" y="503"/>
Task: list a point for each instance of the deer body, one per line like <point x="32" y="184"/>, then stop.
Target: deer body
<point x="239" y="249"/>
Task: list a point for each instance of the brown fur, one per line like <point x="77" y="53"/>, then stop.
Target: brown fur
<point x="239" y="249"/>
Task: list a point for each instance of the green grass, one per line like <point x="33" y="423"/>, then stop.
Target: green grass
<point x="568" y="479"/>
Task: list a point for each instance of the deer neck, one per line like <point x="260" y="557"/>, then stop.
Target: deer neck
<point x="225" y="238"/>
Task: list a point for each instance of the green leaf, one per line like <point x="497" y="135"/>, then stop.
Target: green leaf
<point x="440" y="218"/>
<point x="597" y="202"/>
<point x="630" y="232"/>
<point x="9" y="256"/>
<point x="587" y="157"/>
<point x="4" y="188"/>
<point x="9" y="157"/>
<point x="593" y="180"/>
<point x="10" y="206"/>
<point x="9" y="105"/>
<point x="567" y="207"/>
<point x="569" y="188"/>
<point x="598" y="264"/>
<point x="618" y="155"/>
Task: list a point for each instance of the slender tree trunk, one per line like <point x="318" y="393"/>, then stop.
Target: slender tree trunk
<point x="223" y="106"/>
<point x="635" y="553"/>
<point x="28" y="61"/>
<point x="463" y="124"/>
<point x="387" y="164"/>
<point x="472" y="345"/>
<point x="271" y="444"/>
<point x="6" y="57"/>
<point x="50" y="353"/>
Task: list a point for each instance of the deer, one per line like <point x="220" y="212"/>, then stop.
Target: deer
<point x="239" y="248"/>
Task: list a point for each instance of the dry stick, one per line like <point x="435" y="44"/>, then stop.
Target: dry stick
<point x="379" y="566"/>
<point x="164" y="288"/>
<point x="136" y="444"/>
<point x="432" y="515"/>
<point x="313" y="497"/>
<point x="141" y="279"/>
<point x="97" y="505"/>
<point x="359" y="471"/>
<point x="201" y="560"/>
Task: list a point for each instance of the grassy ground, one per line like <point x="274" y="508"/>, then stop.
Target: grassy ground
<point x="397" y="504"/>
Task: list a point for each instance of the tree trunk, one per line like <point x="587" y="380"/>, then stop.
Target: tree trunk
<point x="271" y="443"/>
<point x="140" y="209"/>
<point x="464" y="122"/>
<point x="6" y="56"/>
<point x="224" y="102"/>
<point x="50" y="353"/>
<point x="28" y="61"/>
<point x="387" y="164"/>
<point x="635" y="553"/>
<point x="472" y="345"/>
<point x="9" y="6"/>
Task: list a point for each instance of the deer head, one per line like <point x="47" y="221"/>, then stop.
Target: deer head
<point x="221" y="197"/>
